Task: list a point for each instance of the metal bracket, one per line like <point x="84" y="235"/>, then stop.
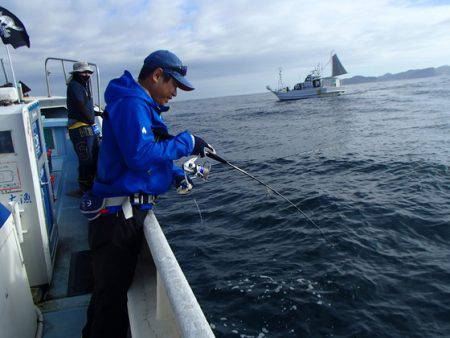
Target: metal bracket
<point x="16" y="211"/>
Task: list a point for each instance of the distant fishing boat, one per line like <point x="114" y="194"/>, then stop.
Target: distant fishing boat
<point x="314" y="85"/>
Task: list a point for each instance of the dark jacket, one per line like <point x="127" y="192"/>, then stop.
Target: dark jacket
<point x="80" y="105"/>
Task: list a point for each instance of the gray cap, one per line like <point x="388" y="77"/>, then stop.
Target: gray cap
<point x="81" y="66"/>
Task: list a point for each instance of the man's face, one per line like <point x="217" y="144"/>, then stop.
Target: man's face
<point x="164" y="91"/>
<point x="161" y="90"/>
<point x="85" y="75"/>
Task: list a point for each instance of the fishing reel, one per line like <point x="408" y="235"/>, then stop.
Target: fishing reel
<point x="194" y="169"/>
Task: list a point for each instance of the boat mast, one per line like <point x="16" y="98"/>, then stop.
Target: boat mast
<point x="11" y="67"/>
<point x="280" y="79"/>
<point x="330" y="61"/>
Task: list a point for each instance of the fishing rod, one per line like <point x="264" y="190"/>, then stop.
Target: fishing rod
<point x="223" y="161"/>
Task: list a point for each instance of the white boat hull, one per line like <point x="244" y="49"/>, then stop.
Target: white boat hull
<point x="308" y="93"/>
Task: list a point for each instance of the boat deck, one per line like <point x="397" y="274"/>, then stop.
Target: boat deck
<point x="65" y="316"/>
<point x="160" y="300"/>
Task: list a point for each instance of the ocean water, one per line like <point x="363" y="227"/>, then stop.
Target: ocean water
<point x="370" y="168"/>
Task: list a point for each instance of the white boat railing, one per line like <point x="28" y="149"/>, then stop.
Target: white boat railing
<point x="47" y="75"/>
<point x="175" y="312"/>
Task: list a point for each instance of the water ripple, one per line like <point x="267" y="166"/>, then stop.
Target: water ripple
<point x="370" y="168"/>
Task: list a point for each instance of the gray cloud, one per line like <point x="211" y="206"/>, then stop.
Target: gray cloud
<point x="233" y="47"/>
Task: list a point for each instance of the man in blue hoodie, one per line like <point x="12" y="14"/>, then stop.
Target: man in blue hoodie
<point x="135" y="165"/>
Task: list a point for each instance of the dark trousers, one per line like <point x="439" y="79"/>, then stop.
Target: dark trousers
<point x="115" y="244"/>
<point x="86" y="145"/>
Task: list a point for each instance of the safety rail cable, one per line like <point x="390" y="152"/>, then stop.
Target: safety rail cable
<point x="188" y="314"/>
<point x="47" y="74"/>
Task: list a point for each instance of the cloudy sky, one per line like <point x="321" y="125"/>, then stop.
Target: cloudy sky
<point x="235" y="46"/>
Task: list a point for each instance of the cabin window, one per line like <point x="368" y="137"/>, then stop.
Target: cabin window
<point x="6" y="143"/>
<point x="49" y="138"/>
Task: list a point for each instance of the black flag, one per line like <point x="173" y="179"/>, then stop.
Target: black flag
<point x="12" y="30"/>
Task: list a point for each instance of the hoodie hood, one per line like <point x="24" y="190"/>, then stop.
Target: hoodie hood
<point x="126" y="86"/>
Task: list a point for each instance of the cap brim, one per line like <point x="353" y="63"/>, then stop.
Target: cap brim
<point x="182" y="82"/>
<point x="82" y="71"/>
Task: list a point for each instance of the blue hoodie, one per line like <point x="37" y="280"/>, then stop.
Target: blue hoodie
<point x="132" y="157"/>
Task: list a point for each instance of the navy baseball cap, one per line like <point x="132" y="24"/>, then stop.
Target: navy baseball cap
<point x="171" y="65"/>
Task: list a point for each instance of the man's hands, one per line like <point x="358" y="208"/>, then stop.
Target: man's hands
<point x="98" y="111"/>
<point x="183" y="183"/>
<point x="201" y="147"/>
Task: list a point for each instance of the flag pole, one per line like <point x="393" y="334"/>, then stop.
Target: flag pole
<point x="11" y="65"/>
<point x="4" y="71"/>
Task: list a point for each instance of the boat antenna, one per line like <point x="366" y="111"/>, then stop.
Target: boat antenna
<point x="280" y="78"/>
<point x="223" y="161"/>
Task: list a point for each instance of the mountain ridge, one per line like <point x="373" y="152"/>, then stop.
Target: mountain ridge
<point x="409" y="74"/>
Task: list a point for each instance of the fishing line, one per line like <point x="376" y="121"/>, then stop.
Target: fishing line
<point x="223" y="161"/>
<point x="199" y="212"/>
<point x="315" y="150"/>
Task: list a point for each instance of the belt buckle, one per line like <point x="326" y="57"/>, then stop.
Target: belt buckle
<point x="142" y="199"/>
<point x="153" y="199"/>
<point x="134" y="199"/>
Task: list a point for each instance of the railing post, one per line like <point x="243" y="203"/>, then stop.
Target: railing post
<point x="64" y="71"/>
<point x="47" y="73"/>
<point x="98" y="87"/>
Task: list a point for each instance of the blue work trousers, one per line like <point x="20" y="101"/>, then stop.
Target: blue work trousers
<point x="86" y="145"/>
